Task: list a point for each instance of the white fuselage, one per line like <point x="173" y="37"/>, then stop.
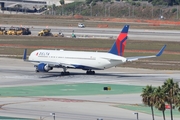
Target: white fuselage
<point x="96" y="60"/>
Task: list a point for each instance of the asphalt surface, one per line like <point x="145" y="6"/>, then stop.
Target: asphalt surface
<point x="15" y="72"/>
<point x="134" y="34"/>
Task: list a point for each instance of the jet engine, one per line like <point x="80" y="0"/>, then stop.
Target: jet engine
<point x="43" y="67"/>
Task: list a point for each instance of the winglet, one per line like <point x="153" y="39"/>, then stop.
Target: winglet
<point x="161" y="51"/>
<point x="25" y="54"/>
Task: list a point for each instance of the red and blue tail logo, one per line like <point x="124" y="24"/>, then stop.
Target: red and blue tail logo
<point x="119" y="45"/>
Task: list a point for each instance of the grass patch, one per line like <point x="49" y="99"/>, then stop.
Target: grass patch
<point x="147" y="110"/>
<point x="68" y="89"/>
<point x="13" y="118"/>
<point x="15" y="45"/>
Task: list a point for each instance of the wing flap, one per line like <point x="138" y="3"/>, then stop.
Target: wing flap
<point x="110" y="59"/>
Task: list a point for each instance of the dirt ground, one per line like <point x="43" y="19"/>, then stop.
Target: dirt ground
<point x="69" y="21"/>
<point x="13" y="46"/>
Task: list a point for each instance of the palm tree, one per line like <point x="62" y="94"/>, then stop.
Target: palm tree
<point x="177" y="102"/>
<point x="171" y="91"/>
<point x="159" y="101"/>
<point x="62" y="2"/>
<point x="147" y="97"/>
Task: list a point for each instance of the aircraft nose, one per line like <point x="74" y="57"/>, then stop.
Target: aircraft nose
<point x="31" y="56"/>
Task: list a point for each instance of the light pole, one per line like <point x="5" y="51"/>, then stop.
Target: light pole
<point x="91" y="10"/>
<point x="105" y="9"/>
<point x="99" y="119"/>
<point x="137" y="115"/>
<point x="42" y="118"/>
<point x="109" y="11"/>
<point x="53" y="114"/>
<point x="152" y="12"/>
<point x="129" y="12"/>
<point x="133" y="11"/>
<point x="177" y="12"/>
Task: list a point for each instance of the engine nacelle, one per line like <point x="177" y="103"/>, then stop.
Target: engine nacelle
<point x="43" y="67"/>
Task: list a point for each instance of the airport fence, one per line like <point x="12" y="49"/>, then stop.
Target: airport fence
<point x="143" y="10"/>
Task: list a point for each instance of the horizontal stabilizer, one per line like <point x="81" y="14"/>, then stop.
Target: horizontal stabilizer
<point x="144" y="57"/>
<point x="161" y="51"/>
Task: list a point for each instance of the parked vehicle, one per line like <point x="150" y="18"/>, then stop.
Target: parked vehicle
<point x="18" y="31"/>
<point x="81" y="25"/>
<point x="45" y="32"/>
<point x="73" y="35"/>
<point x="59" y="35"/>
<point x="3" y="31"/>
<point x="12" y="31"/>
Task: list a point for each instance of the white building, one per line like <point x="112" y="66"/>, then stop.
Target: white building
<point x="56" y="2"/>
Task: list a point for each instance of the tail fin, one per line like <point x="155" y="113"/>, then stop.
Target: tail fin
<point x="120" y="43"/>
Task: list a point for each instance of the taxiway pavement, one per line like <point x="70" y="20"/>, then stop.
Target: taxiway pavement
<point x="104" y="33"/>
<point x="16" y="72"/>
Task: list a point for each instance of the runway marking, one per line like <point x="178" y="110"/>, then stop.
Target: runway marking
<point x="61" y="100"/>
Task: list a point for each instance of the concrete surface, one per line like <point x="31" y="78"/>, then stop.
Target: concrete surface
<point x="15" y="72"/>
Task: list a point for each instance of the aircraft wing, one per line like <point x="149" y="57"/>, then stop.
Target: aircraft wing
<point x="144" y="57"/>
<point x="53" y="64"/>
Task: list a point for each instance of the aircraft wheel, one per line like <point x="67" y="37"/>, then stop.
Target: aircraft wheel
<point x="65" y="73"/>
<point x="90" y="72"/>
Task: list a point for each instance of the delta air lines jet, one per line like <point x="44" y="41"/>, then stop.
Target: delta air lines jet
<point x="46" y="60"/>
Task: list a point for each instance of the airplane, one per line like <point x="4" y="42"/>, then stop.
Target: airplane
<point x="45" y="60"/>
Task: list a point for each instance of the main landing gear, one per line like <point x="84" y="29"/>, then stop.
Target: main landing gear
<point x="64" y="71"/>
<point x="90" y="72"/>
